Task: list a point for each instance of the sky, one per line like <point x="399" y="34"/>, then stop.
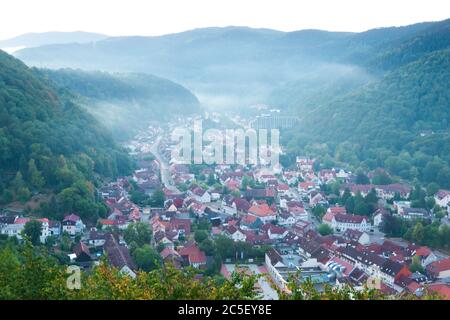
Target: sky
<point x="149" y="17"/>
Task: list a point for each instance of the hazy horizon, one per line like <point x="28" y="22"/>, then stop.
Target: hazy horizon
<point x="137" y="18"/>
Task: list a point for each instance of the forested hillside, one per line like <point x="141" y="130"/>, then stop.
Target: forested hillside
<point x="400" y="122"/>
<point x="124" y="102"/>
<point x="49" y="145"/>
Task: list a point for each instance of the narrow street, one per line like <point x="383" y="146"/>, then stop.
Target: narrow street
<point x="164" y="167"/>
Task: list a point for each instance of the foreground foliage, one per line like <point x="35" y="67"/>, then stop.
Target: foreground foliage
<point x="28" y="272"/>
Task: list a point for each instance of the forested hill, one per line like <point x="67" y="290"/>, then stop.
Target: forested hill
<point x="399" y="122"/>
<point x="124" y="102"/>
<point x="50" y="145"/>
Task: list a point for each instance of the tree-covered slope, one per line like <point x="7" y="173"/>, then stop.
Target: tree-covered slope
<point x="48" y="144"/>
<point x="399" y="122"/>
<point x="124" y="102"/>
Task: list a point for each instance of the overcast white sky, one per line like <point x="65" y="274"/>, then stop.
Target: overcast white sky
<point x="150" y="17"/>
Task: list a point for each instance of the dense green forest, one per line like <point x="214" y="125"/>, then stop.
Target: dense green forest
<point x="124" y="102"/>
<point x="399" y="122"/>
<point x="49" y="145"/>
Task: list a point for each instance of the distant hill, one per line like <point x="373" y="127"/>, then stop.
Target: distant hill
<point x="30" y="40"/>
<point x="125" y="102"/>
<point x="226" y="66"/>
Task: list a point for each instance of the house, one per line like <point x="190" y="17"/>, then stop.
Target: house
<point x="358" y="236"/>
<point x="180" y="226"/>
<point x="82" y="252"/>
<point x="119" y="256"/>
<point x="298" y="212"/>
<point x="10" y="228"/>
<point x="301" y="227"/>
<point x="96" y="239"/>
<point x="169" y="255"/>
<point x="373" y="265"/>
<point x="234" y="233"/>
<point x="263" y="212"/>
<point x="389" y="191"/>
<point x="378" y="217"/>
<point x="282" y="188"/>
<point x="305" y="164"/>
<point x="415" y="213"/>
<point x="286" y="219"/>
<point x="400" y="206"/>
<point x="192" y="255"/>
<point x="200" y="194"/>
<point x="13" y="226"/>
<point x="267" y="193"/>
<point x="442" y="199"/>
<point x="331" y="212"/>
<point x="73" y="225"/>
<point x="274" y="232"/>
<point x="341" y="222"/>
<point x="241" y="205"/>
<point x="424" y="253"/>
<point x="250" y="222"/>
<point x="316" y="198"/>
<point x="439" y="269"/>
<point x="305" y="187"/>
<point x="228" y="205"/>
<point x="54" y="228"/>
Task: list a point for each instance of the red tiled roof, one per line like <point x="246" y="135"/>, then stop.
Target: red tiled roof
<point x="72" y="217"/>
<point x="194" y="254"/>
<point x="441" y="289"/>
<point x="440" y="265"/>
<point x="261" y="210"/>
<point x="349" y="218"/>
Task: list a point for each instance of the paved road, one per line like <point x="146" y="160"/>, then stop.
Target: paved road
<point x="164" y="167"/>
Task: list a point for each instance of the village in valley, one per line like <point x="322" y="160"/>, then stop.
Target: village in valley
<point x="328" y="225"/>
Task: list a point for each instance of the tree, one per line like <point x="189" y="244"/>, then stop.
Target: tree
<point x="361" y="177"/>
<point x="200" y="235"/>
<point x="139" y="233"/>
<point x="319" y="211"/>
<point x="381" y="178"/>
<point x="418" y="233"/>
<point x="23" y="194"/>
<point x="350" y="205"/>
<point x="36" y="179"/>
<point x="157" y="199"/>
<point x="18" y="182"/>
<point x="211" y="179"/>
<point x="415" y="265"/>
<point x="432" y="188"/>
<point x="33" y="230"/>
<point x="146" y="258"/>
<point x="324" y="229"/>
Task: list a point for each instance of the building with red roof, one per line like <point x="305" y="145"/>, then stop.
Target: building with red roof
<point x="192" y="255"/>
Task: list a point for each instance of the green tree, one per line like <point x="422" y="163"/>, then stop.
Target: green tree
<point x="415" y="265"/>
<point x="139" y="233"/>
<point x="36" y="179"/>
<point x="200" y="235"/>
<point x="361" y="177"/>
<point x="23" y="194"/>
<point x="33" y="230"/>
<point x="418" y="233"/>
<point x="147" y="258"/>
<point x="18" y="182"/>
<point x="157" y="199"/>
<point x="324" y="229"/>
